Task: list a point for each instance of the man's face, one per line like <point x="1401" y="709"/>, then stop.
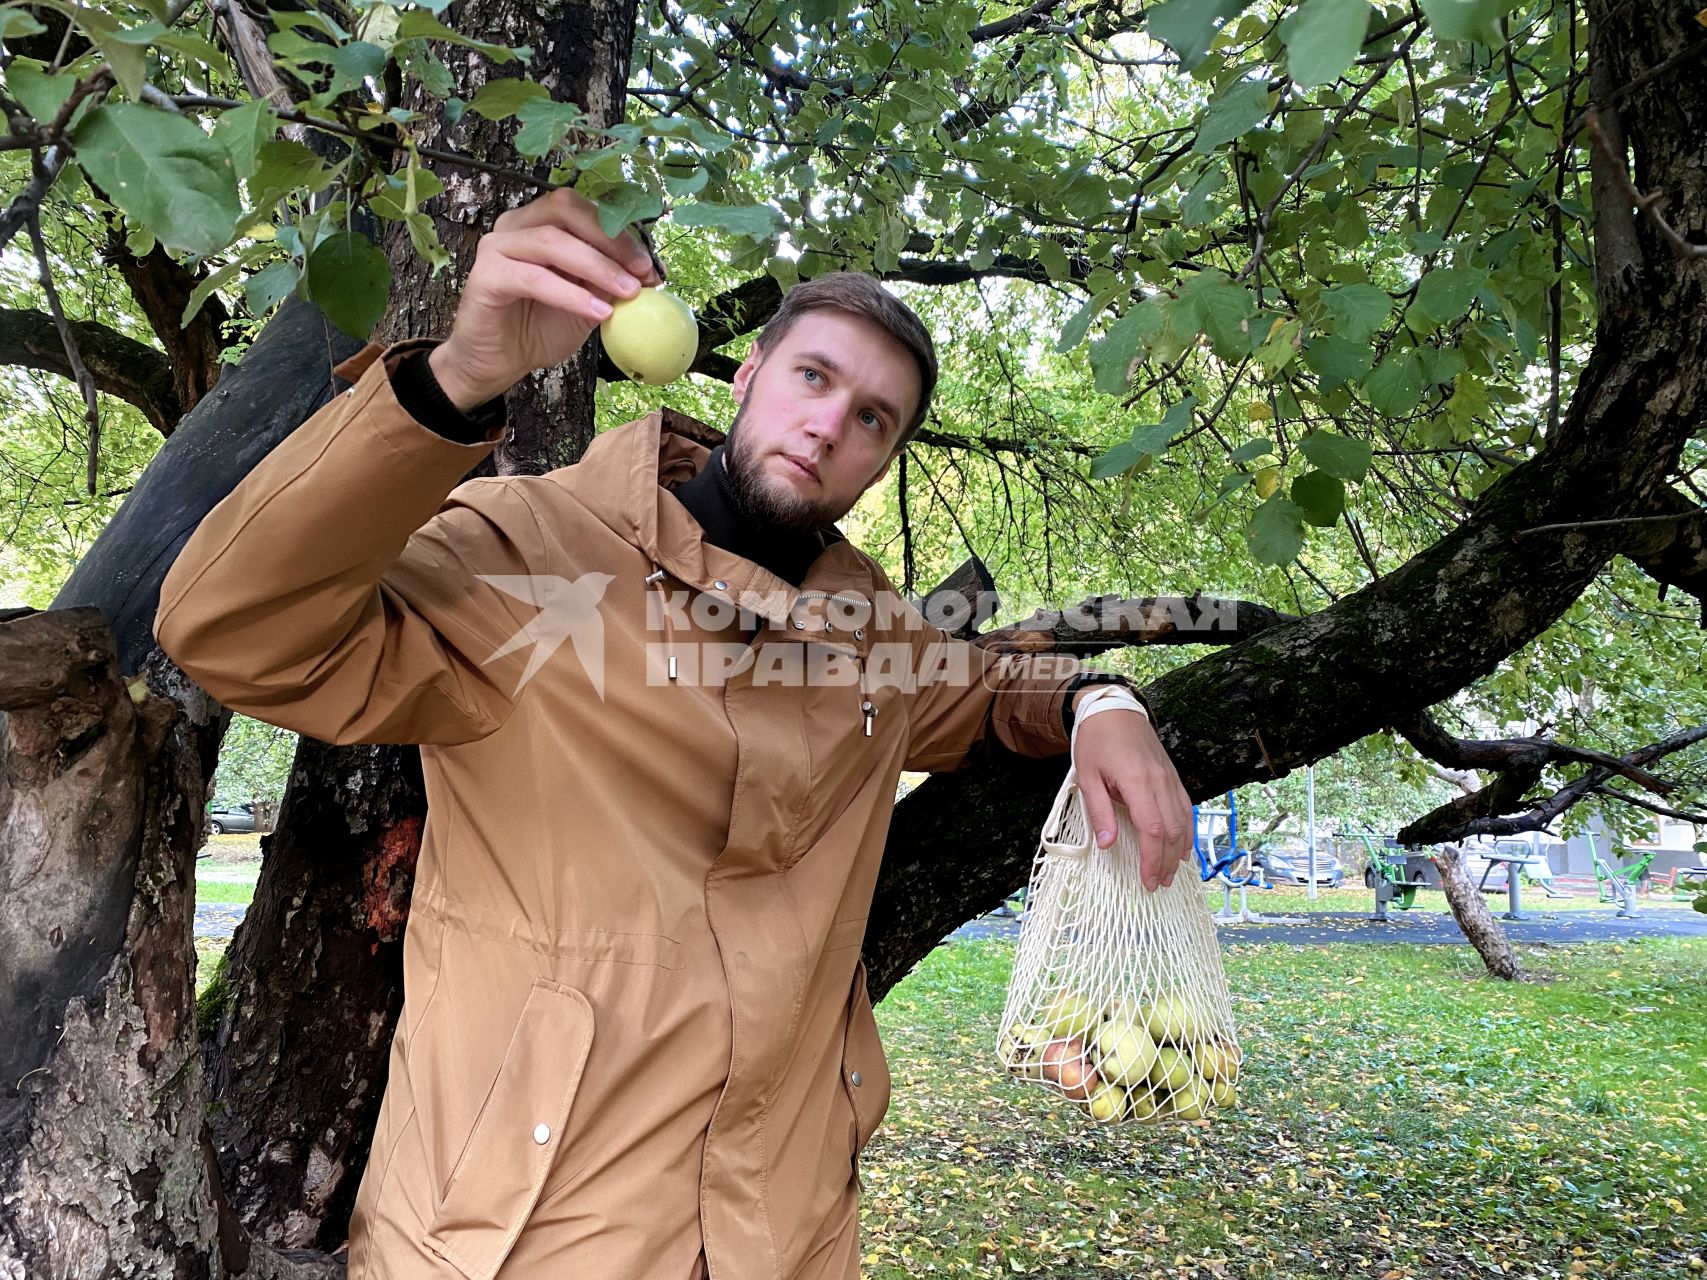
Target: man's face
<point x="819" y="418"/>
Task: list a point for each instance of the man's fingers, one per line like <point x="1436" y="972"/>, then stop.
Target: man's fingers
<point x="1099" y="809"/>
<point x="576" y="260"/>
<point x="513" y="281"/>
<point x="579" y="216"/>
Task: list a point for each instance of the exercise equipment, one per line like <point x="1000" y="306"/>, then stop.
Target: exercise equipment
<point x="1234" y="869"/>
<point x="1393" y="876"/>
<point x="1615" y="883"/>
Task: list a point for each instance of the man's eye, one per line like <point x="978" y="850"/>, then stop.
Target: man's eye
<point x="874" y="422"/>
<point x="810" y="374"/>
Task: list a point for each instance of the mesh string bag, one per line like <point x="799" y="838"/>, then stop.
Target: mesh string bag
<point x="1118" y="1001"/>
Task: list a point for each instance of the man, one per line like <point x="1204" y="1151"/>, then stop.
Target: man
<point x="636" y="1039"/>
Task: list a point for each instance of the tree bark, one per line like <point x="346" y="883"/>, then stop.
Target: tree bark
<point x="162" y="287"/>
<point x="1470" y="909"/>
<point x="106" y="1168"/>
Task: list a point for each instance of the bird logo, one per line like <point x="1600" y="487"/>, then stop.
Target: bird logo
<point x="567" y="610"/>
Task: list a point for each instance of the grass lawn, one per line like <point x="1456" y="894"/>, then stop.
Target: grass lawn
<point x="1402" y="1118"/>
<point x="1294" y="900"/>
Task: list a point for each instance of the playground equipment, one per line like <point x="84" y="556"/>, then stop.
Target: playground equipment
<point x="1393" y="878"/>
<point x="1615" y="883"/>
<point x="1211" y="831"/>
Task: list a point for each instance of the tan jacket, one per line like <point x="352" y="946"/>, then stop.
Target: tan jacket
<point x="636" y="1039"/>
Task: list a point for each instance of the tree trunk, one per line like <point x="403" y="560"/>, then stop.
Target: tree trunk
<point x="1470" y="909"/>
<point x="107" y="1168"/>
<point x="311" y="986"/>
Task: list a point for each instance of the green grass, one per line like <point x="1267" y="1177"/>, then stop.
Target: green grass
<point x="1402" y="1117"/>
<point x="218" y="881"/>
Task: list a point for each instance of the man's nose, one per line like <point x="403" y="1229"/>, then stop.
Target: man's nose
<point x="826" y="423"/>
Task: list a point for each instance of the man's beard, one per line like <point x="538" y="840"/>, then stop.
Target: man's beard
<point x="762" y="498"/>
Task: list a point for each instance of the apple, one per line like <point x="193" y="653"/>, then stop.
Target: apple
<point x="1125" y="1053"/>
<point x="1191" y="1102"/>
<point x="1064" y="1064"/>
<point x="1172" y="1069"/>
<point x="1145" y="1104"/>
<point x="1216" y="1060"/>
<point x="1223" y="1093"/>
<point x="1068" y="1014"/>
<point x="1108" y="1104"/>
<point x="652" y="337"/>
<point x="1167" y="1018"/>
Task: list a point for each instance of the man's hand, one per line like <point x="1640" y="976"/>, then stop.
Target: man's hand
<point x="1119" y="757"/>
<point x="543" y="278"/>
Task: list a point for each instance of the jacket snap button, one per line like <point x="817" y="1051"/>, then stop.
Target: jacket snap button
<point x="542" y="1134"/>
<point x="720" y="586"/>
<point x="855" y="1078"/>
<point x="799" y="625"/>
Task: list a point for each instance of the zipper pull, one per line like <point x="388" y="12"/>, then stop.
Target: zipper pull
<point x="870" y="715"/>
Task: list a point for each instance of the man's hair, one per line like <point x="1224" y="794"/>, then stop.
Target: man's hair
<point x="861" y="295"/>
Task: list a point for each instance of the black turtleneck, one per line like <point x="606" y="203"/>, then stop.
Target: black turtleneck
<point x="710" y="499"/>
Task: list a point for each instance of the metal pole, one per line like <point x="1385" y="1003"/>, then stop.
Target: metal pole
<point x="1310" y="792"/>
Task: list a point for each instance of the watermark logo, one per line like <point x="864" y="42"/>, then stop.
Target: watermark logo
<point x="567" y="611"/>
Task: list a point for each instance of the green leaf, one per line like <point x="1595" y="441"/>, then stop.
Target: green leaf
<point x="1275" y="532"/>
<point x="544" y="123"/>
<point x="425" y="237"/>
<point x="1321" y="496"/>
<point x="163" y="171"/>
<point x="18" y="22"/>
<point x="1322" y="38"/>
<point x="243" y="131"/>
<point x="1113" y="353"/>
<point x="129" y="61"/>
<point x="350" y="281"/>
<point x="501" y="99"/>
<point x="1445" y="293"/>
<point x="1359" y="310"/>
<point x="1212" y="304"/>
<point x="1199" y="208"/>
<point x="1053" y="259"/>
<point x="1251" y="450"/>
<point x="1337" y="361"/>
<point x="420" y="22"/>
<point x="1188" y="27"/>
<point x="755" y="221"/>
<point x="1477" y="20"/>
<point x="270" y="285"/>
<point x="1232" y="114"/>
<point x="1118" y="460"/>
<point x="1073" y="332"/>
<point x="40" y="93"/>
<point x="679" y="186"/>
<point x="1395" y="388"/>
<point x="215" y="280"/>
<point x="283" y="165"/>
<point x="1338" y="455"/>
<point x="352" y="64"/>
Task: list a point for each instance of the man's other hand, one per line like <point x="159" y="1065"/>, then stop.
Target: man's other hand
<point x="1120" y="758"/>
<point x="543" y="278"/>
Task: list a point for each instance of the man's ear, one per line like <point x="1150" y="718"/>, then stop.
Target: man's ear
<point x="744" y="375"/>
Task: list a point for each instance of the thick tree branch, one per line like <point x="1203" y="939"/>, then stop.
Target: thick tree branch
<point x="162" y="287"/>
<point x="1516" y="753"/>
<point x="121" y="366"/>
<point x="1674" y="553"/>
<point x="1460" y="818"/>
<point x="1106" y="623"/>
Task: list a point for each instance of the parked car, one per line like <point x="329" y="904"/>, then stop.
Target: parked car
<point x="1289" y="863"/>
<point x="223" y="816"/>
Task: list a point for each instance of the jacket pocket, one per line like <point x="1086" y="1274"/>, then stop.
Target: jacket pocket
<point x="865" y="1071"/>
<point x="516" y="1135"/>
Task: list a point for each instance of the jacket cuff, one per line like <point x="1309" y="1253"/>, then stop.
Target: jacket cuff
<point x="419" y="394"/>
<point x="1086" y="678"/>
